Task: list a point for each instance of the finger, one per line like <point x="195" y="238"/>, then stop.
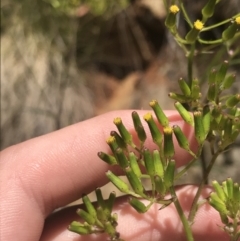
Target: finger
<point x="56" y="165"/>
<point x="159" y="225"/>
<point x="53" y="170"/>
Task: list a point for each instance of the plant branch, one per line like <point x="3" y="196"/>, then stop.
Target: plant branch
<point x="183" y="218"/>
<point x="195" y="200"/>
<point x="217" y="41"/>
<point x="185" y="14"/>
<point x="190" y="65"/>
<point x="219" y="24"/>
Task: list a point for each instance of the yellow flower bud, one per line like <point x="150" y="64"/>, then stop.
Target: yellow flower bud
<point x="192" y="35"/>
<point x="155" y="132"/>
<point x="170" y="21"/>
<point x="198" y="25"/>
<point x="125" y="134"/>
<point x="174" y="9"/>
<point x="162" y="118"/>
<point x="237" y="20"/>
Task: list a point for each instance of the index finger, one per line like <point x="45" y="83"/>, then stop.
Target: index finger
<point x="59" y="167"/>
<point x="51" y="171"/>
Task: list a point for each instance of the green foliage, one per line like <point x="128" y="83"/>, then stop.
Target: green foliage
<point x="215" y="118"/>
<point x="226" y="200"/>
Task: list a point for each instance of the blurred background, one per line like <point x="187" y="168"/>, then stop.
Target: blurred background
<point x="64" y="61"/>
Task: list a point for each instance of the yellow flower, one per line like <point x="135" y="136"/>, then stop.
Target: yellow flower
<point x="110" y="139"/>
<point x="147" y="117"/>
<point x="174" y="9"/>
<point x="198" y="25"/>
<point x="237" y="20"/>
<point x="117" y="121"/>
<point x="168" y="130"/>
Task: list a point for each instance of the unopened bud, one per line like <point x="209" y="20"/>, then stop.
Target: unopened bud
<point x="138" y="127"/>
<point x="121" y="158"/>
<point x="137" y="205"/>
<point x="111" y="160"/>
<point x="193" y="33"/>
<point x="212" y="76"/>
<point x="86" y="216"/>
<point x="196" y="94"/>
<point x="221" y="73"/>
<point x="169" y="174"/>
<point x="79" y="228"/>
<point x="184" y="113"/>
<point x="109" y="229"/>
<point x="184" y="87"/>
<point x="158" y="165"/>
<point x="230" y="32"/>
<point x="208" y="9"/>
<point x="218" y="204"/>
<point x="170" y="21"/>
<point x="149" y="164"/>
<point x="182" y="139"/>
<point x="120" y="142"/>
<point x="118" y="182"/>
<point x="198" y="127"/>
<point x="155" y="132"/>
<point x="178" y="97"/>
<point x="233" y="100"/>
<point x="126" y="136"/>
<point x="89" y="206"/>
<point x="228" y="82"/>
<point x="134" y="164"/>
<point x="168" y="147"/>
<point x="159" y="185"/>
<point x="218" y="189"/>
<point x="162" y="118"/>
<point x="134" y="181"/>
<point x="212" y="92"/>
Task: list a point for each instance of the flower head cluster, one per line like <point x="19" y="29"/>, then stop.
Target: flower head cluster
<point x="226" y="200"/>
<point x="198" y="25"/>
<point x="174" y="9"/>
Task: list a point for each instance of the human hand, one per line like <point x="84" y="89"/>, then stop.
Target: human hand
<point x="50" y="171"/>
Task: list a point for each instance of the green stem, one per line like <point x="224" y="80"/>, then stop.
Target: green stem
<point x="185" y="14"/>
<point x="183" y="218"/>
<point x="217" y="41"/>
<point x="235" y="227"/>
<point x="190" y="164"/>
<point x="177" y="37"/>
<point x="215" y="25"/>
<point x="190" y="65"/>
<point x="195" y="200"/>
<point x="219" y="24"/>
<point x="185" y="169"/>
